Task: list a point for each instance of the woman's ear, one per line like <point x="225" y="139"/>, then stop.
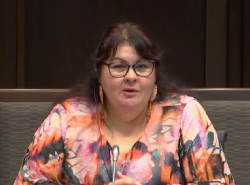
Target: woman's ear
<point x="101" y="94"/>
<point x="95" y="72"/>
<point x="154" y="94"/>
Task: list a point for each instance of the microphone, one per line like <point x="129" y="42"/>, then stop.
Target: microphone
<point x="115" y="153"/>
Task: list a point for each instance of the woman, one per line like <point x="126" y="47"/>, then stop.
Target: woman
<point x="164" y="136"/>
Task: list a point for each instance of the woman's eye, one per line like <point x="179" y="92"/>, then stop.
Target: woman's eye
<point x="118" y="66"/>
<point x="139" y="66"/>
<point x="143" y="65"/>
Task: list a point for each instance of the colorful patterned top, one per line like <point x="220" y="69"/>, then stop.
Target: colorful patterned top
<point x="179" y="146"/>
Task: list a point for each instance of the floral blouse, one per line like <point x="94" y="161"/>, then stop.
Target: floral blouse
<point x="179" y="146"/>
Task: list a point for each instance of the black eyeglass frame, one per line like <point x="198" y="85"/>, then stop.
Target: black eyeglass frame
<point x="128" y="67"/>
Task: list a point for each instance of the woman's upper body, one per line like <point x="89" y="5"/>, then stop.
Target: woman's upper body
<point x="163" y="139"/>
<point x="179" y="146"/>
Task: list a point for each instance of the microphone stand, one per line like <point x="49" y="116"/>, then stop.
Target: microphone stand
<point x="115" y="153"/>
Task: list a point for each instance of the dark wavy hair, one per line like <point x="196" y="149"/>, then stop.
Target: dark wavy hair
<point x="135" y="36"/>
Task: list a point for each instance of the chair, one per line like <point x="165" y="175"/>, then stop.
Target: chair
<point x="21" y="114"/>
<point x="222" y="136"/>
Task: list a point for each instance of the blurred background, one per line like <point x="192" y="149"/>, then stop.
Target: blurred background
<point x="49" y="44"/>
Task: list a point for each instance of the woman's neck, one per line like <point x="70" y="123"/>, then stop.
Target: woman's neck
<point x="126" y="123"/>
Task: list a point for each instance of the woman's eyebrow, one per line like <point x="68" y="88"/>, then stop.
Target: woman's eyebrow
<point x="115" y="58"/>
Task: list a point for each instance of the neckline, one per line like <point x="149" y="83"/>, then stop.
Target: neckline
<point x="128" y="154"/>
<point x="144" y="136"/>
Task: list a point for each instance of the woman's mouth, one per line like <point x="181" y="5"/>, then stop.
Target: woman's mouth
<point x="129" y="92"/>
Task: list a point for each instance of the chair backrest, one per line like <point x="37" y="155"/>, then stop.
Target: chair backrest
<point x="22" y="111"/>
<point x="229" y="110"/>
<point x="222" y="135"/>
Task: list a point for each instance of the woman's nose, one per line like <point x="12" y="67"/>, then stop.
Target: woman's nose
<point x="131" y="75"/>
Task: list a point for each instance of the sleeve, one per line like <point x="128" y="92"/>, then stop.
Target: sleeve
<point x="43" y="158"/>
<point x="203" y="160"/>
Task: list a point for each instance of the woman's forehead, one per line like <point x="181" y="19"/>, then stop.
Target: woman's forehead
<point x="125" y="48"/>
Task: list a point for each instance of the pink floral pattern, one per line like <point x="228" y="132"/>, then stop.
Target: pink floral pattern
<point x="180" y="146"/>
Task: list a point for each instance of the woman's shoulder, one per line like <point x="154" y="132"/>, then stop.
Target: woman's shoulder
<point x="175" y="99"/>
<point x="186" y="104"/>
<point x="77" y="105"/>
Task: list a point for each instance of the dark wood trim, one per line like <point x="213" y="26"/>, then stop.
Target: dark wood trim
<point x="20" y="43"/>
<point x="216" y="43"/>
<point x="235" y="45"/>
<point x="222" y="94"/>
<point x="246" y="44"/>
<point x="51" y="95"/>
<point x="8" y="44"/>
<point x="31" y="95"/>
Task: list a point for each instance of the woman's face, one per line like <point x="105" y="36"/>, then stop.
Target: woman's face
<point x="128" y="91"/>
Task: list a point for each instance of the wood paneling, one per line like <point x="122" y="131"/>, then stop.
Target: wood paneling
<point x="246" y="56"/>
<point x="48" y="44"/>
<point x="216" y="43"/>
<point x="235" y="43"/>
<point x="20" y="41"/>
<point x="8" y="44"/>
<point x="62" y="35"/>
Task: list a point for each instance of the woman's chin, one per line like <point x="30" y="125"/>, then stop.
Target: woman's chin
<point x="131" y="103"/>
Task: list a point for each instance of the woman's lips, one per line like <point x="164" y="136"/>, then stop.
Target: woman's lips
<point x="129" y="92"/>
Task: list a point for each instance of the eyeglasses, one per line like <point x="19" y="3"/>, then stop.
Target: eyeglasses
<point x="119" y="69"/>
